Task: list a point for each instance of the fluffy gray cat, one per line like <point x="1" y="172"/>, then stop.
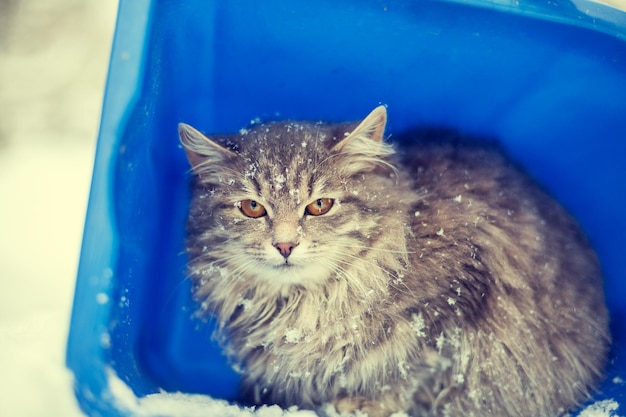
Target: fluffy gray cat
<point x="436" y="280"/>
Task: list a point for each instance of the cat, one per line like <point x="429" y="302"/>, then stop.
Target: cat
<point x="434" y="279"/>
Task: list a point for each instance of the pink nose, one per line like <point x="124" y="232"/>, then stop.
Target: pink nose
<point x="285" y="248"/>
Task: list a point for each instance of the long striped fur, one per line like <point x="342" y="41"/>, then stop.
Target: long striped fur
<point x="441" y="282"/>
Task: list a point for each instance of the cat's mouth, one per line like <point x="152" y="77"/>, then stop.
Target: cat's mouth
<point x="299" y="272"/>
<point x="287" y="266"/>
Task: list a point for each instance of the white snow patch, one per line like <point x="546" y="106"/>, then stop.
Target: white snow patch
<point x="279" y="181"/>
<point x="176" y="404"/>
<point x="604" y="408"/>
<point x="166" y="404"/>
<point x="292" y="335"/>
<point x="246" y="303"/>
<point x="418" y="324"/>
<point x="403" y="369"/>
<point x="328" y="410"/>
<point x="102" y="298"/>
<point x="105" y="340"/>
<point x="440" y="342"/>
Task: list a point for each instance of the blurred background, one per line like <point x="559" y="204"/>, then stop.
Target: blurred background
<point x="53" y="63"/>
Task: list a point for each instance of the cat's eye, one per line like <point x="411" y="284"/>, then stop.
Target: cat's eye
<point x="252" y="208"/>
<point x="319" y="206"/>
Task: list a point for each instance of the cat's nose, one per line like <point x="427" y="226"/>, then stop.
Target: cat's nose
<point x="285" y="248"/>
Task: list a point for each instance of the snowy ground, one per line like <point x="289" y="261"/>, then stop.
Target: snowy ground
<point x="53" y="61"/>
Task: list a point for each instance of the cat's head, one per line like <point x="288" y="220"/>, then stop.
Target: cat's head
<point x="290" y="203"/>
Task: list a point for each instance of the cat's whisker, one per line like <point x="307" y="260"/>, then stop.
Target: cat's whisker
<point x="323" y="161"/>
<point x="397" y="280"/>
<point x="222" y="257"/>
<point x="332" y="266"/>
<point x="362" y="271"/>
<point x="235" y="173"/>
<point x="242" y="268"/>
<point x="361" y="260"/>
<point x="187" y="278"/>
<point x="371" y="248"/>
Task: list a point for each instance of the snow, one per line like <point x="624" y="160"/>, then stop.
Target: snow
<point x="54" y="58"/>
<point x="44" y="190"/>
<point x="418" y="324"/>
<point x="292" y="335"/>
<point x="178" y="404"/>
<point x="603" y="408"/>
<point x="187" y="405"/>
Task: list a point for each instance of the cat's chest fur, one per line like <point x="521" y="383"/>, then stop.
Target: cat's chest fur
<point x="313" y="350"/>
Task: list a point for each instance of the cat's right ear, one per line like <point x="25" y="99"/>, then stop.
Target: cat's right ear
<point x="203" y="154"/>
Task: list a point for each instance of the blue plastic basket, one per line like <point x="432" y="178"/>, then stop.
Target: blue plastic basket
<point x="546" y="78"/>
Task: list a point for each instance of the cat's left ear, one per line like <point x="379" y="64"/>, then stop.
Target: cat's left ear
<point x="203" y="154"/>
<point x="364" y="146"/>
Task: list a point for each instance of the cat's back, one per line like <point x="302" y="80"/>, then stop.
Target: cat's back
<point x="494" y="254"/>
<point x="489" y="214"/>
<point x="471" y="190"/>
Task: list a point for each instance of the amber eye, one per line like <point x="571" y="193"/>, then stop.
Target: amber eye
<point x="319" y="206"/>
<point x="252" y="209"/>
